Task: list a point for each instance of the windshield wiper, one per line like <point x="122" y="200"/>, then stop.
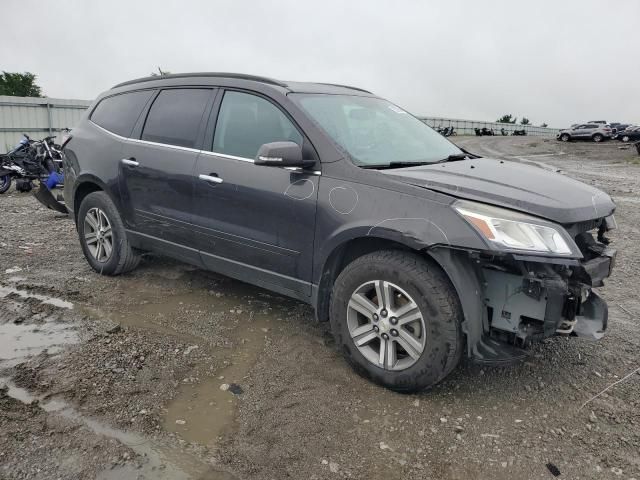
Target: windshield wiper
<point x="381" y="166"/>
<point x="451" y="158"/>
<point x="455" y="157"/>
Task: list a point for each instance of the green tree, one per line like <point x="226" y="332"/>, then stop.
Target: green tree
<point x="525" y="121"/>
<point x="507" y="119"/>
<point x="161" y="73"/>
<point x="19" y="85"/>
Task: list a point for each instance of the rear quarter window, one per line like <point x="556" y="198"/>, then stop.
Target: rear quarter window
<point x="119" y="113"/>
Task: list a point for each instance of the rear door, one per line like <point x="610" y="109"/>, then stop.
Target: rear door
<point x="157" y="165"/>
<point x="589" y="130"/>
<point x="255" y="222"/>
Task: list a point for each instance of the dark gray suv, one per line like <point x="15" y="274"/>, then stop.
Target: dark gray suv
<point x="415" y="250"/>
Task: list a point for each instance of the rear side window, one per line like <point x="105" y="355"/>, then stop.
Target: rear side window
<point x="119" y="113"/>
<point x="246" y="122"/>
<point x="175" y="116"/>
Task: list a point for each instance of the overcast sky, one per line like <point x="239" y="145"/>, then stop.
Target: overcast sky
<point x="558" y="62"/>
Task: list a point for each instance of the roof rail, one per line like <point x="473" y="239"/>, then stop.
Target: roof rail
<point x="346" y="86"/>
<point x="240" y="76"/>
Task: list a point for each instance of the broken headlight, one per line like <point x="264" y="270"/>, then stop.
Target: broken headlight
<point x="510" y="230"/>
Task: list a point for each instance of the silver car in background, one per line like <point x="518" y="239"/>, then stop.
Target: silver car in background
<point x="586" y="131"/>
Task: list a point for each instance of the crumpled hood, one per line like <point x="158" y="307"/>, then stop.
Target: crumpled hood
<point x="512" y="185"/>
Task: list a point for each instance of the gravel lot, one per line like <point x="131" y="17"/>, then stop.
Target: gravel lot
<point x="173" y="372"/>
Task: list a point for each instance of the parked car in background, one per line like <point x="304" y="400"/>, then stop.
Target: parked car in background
<point x="600" y="122"/>
<point x="618" y="127"/>
<point x="629" y="134"/>
<point x="586" y="131"/>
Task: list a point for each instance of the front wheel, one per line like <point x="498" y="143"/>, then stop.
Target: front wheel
<point x="103" y="237"/>
<point x="5" y="183"/>
<point x="625" y="138"/>
<point x="396" y="318"/>
<point x="565" y="137"/>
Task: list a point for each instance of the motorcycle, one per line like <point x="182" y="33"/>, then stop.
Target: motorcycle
<point x="34" y="161"/>
<point x="484" y="131"/>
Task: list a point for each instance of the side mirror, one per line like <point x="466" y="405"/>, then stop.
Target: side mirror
<point x="282" y="154"/>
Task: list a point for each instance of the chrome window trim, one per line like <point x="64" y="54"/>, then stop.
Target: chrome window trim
<point x="187" y="149"/>
<point x="166" y="145"/>
<point x="231" y="157"/>
<point x="108" y="131"/>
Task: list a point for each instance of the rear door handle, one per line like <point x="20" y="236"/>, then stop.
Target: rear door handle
<point x="210" y="178"/>
<point x="130" y="162"/>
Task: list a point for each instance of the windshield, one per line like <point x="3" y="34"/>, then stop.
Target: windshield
<point x="375" y="132"/>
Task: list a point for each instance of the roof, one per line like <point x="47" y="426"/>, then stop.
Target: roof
<point x="306" y="87"/>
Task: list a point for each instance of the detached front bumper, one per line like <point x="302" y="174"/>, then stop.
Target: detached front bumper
<point x="547" y="300"/>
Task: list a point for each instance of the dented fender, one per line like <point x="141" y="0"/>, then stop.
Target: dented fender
<point x="417" y="219"/>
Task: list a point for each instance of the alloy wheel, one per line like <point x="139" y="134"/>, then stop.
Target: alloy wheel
<point x="98" y="235"/>
<point x="386" y="325"/>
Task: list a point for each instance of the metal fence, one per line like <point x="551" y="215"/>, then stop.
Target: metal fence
<point x="37" y="117"/>
<point x="467" y="127"/>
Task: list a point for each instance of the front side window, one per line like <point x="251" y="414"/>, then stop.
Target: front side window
<point x="119" y="113"/>
<point x="375" y="132"/>
<point x="175" y="117"/>
<point x="246" y="122"/>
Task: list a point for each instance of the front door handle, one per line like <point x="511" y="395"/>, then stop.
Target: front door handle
<point x="210" y="178"/>
<point x="131" y="162"/>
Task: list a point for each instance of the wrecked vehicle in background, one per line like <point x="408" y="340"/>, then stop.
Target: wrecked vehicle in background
<point x="415" y="250"/>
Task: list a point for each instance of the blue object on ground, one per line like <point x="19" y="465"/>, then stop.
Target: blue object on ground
<point x="54" y="179"/>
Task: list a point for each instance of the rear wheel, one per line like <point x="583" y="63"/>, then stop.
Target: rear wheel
<point x="597" y="138"/>
<point x="565" y="137"/>
<point x="103" y="237"/>
<point x="396" y="318"/>
<point x="5" y="183"/>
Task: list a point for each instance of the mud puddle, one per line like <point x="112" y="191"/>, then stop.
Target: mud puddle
<point x="205" y="405"/>
<point x="56" y="302"/>
<point x="202" y="412"/>
<point x="159" y="461"/>
<point x="20" y="339"/>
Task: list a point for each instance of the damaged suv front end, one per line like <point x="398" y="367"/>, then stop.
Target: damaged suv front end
<point x="545" y="250"/>
<point x="539" y="280"/>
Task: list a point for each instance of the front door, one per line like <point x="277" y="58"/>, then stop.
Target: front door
<point x="580" y="131"/>
<point x="156" y="171"/>
<point x="255" y="223"/>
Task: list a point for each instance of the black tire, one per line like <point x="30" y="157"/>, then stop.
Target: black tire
<point x="5" y="183"/>
<point x="625" y="138"/>
<point x="597" y="138"/>
<point x="437" y="300"/>
<point x="565" y="137"/>
<point x="123" y="257"/>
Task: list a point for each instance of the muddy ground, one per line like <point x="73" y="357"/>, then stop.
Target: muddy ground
<point x="178" y="373"/>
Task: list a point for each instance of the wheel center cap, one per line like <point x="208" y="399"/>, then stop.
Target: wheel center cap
<point x="384" y="325"/>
